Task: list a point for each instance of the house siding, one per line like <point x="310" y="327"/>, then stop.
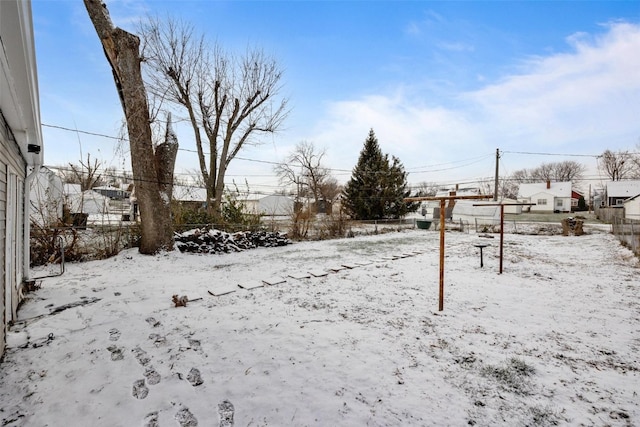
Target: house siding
<point x="12" y="175"/>
<point x="544" y="202"/>
<point x="20" y="147"/>
<point x="3" y="241"/>
<point x="632" y="208"/>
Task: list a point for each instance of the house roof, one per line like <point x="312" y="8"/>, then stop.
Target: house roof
<point x="19" y="98"/>
<point x="70" y="189"/>
<point x="630" y="199"/>
<point x="182" y="193"/>
<point x="557" y="189"/>
<point x="623" y="188"/>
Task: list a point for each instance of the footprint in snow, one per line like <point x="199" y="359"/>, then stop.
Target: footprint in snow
<point x="116" y="352"/>
<point x="114" y="334"/>
<point x="152" y="376"/>
<point x="185" y="418"/>
<point x="140" y="390"/>
<point x="226" y="410"/>
<point x="151" y="420"/>
<point x="157" y="339"/>
<point x="141" y="356"/>
<point x="153" y="322"/>
<point x="194" y="377"/>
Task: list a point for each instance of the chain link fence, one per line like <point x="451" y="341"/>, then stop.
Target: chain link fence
<point x="628" y="232"/>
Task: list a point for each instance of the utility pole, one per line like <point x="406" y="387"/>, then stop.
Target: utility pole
<point x="495" y="184"/>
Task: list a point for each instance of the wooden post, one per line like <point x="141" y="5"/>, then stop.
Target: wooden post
<point x="502" y="205"/>
<point x="442" y="230"/>
<point x="443" y="201"/>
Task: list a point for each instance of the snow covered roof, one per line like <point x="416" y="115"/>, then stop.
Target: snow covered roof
<point x="557" y="189"/>
<point x="89" y="201"/>
<point x="183" y="193"/>
<point x="623" y="188"/>
<point x="70" y="189"/>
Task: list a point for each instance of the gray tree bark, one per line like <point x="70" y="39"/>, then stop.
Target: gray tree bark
<point x="152" y="170"/>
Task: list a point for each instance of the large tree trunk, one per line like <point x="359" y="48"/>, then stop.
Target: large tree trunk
<point x="150" y="170"/>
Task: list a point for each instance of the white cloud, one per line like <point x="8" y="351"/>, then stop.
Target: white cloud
<point x="587" y="96"/>
<point x="581" y="102"/>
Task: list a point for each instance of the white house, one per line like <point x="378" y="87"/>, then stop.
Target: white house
<point x="21" y="151"/>
<point x="619" y="191"/>
<point x="632" y="207"/>
<point x="547" y="196"/>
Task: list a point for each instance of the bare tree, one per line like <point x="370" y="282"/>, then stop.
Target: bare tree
<point x="557" y="171"/>
<point x="330" y="189"/>
<point x="303" y="168"/>
<point x="426" y="189"/>
<point x="522" y="176"/>
<point x="568" y="170"/>
<point x="152" y="169"/>
<point x="228" y="100"/>
<point x="616" y="165"/>
<point x="87" y="174"/>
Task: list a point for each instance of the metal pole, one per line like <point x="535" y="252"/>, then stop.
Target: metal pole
<point x="501" y="234"/>
<point x="442" y="227"/>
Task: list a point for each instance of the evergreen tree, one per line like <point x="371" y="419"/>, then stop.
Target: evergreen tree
<point x="377" y="186"/>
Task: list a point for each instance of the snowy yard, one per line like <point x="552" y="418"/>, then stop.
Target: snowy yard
<point x="554" y="340"/>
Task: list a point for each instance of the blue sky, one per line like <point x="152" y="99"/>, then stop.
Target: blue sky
<point x="442" y="84"/>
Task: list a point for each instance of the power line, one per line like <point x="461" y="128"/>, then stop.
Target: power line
<point x="466" y="162"/>
<point x="551" y="154"/>
<point x="83" y="132"/>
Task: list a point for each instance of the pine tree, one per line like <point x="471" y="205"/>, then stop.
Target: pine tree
<point x="377" y="186"/>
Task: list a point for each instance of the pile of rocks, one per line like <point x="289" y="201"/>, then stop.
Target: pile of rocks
<point x="572" y="226"/>
<point x="216" y="241"/>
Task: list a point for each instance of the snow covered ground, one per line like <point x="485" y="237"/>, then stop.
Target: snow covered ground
<point x="554" y="340"/>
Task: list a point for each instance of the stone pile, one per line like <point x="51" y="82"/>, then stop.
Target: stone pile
<point x="216" y="241"/>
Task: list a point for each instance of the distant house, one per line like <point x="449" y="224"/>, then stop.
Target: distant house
<point x="619" y="191"/>
<point x="432" y="208"/>
<point x="274" y="205"/>
<point x="113" y="193"/>
<point x="47" y="197"/>
<point x="547" y="196"/>
<point x="510" y="206"/>
<point x="193" y="197"/>
<point x="473" y="211"/>
<point x="21" y="152"/>
<point x="87" y="202"/>
<point x="575" y="199"/>
<point x="632" y="208"/>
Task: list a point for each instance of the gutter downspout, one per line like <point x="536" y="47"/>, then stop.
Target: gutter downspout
<point x="26" y="254"/>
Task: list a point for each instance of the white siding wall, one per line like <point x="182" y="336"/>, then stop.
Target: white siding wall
<point x="632" y="209"/>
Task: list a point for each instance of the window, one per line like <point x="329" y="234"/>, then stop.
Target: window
<point x="542" y="201"/>
<point x="559" y="203"/>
